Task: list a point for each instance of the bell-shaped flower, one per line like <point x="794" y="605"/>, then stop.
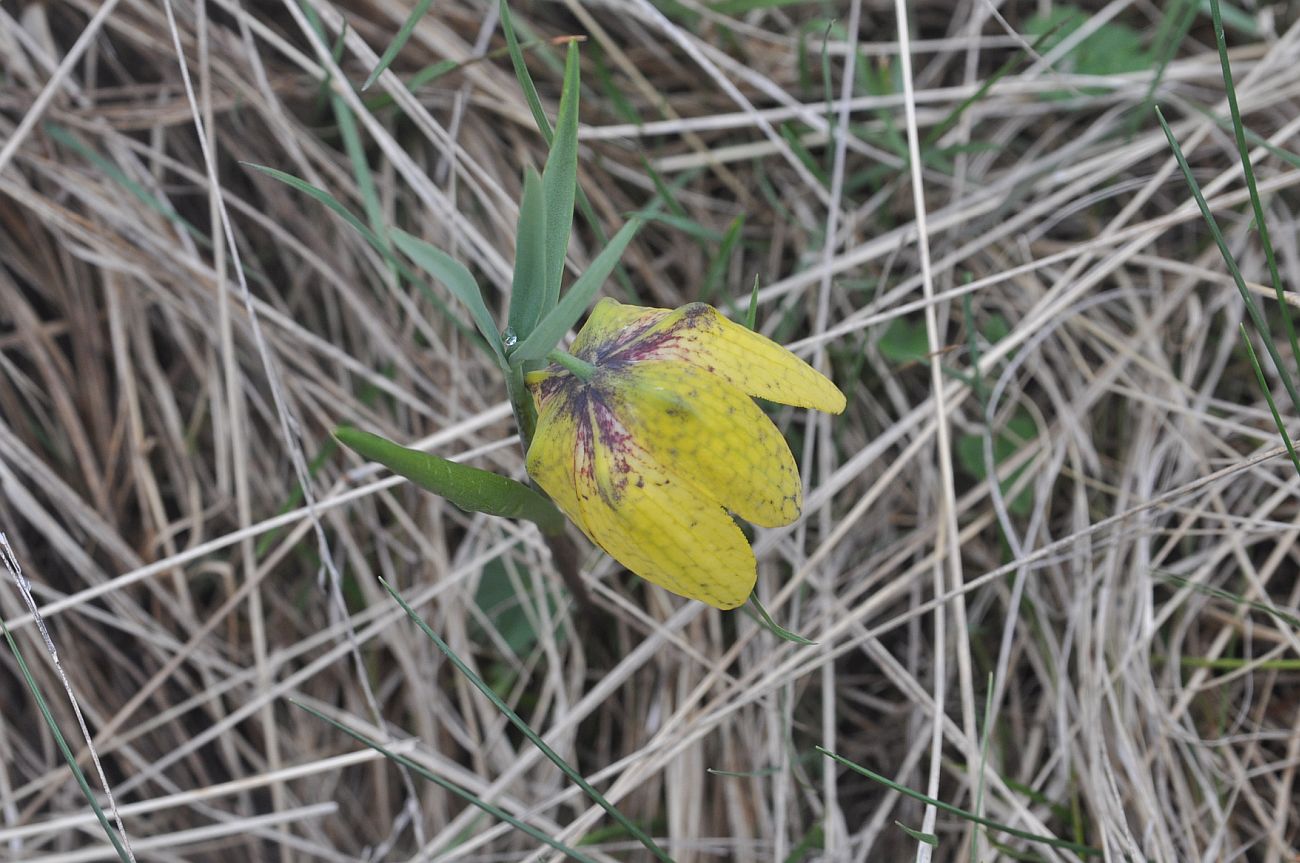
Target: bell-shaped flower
<point x="647" y="436"/>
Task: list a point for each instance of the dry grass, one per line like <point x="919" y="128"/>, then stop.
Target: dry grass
<point x="159" y="398"/>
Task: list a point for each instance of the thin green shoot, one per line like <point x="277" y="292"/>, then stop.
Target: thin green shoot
<point x="1085" y="850"/>
<point x="1277" y="614"/>
<point x="447" y="785"/>
<point x="1228" y="663"/>
<point x="1261" y="224"/>
<point x="567" y="769"/>
<point x="52" y="724"/>
<point x="399" y="41"/>
<point x="1256" y="316"/>
<point x="721" y="260"/>
<point x="1268" y="397"/>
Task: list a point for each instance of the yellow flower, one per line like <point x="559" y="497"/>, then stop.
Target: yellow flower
<point x="651" y="436"/>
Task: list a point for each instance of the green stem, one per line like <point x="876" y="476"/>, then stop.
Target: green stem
<point x="521" y="401"/>
<point x="581" y="369"/>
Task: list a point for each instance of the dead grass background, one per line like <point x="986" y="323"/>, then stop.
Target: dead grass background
<point x="150" y="426"/>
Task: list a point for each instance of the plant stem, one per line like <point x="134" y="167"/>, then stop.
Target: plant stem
<point x="581" y="369"/>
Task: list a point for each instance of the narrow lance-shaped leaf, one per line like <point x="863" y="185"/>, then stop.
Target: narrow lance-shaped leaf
<point x="458" y="280"/>
<point x="380" y="245"/>
<point x="528" y="291"/>
<point x="567" y="312"/>
<point x="390" y="53"/>
<point x="560" y="179"/>
<point x="469" y="488"/>
<point x="521" y="72"/>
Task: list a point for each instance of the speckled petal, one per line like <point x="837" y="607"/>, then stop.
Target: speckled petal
<point x="551" y="455"/>
<point x="711" y="434"/>
<point x="701" y="335"/>
<point x="611" y="324"/>
<point x="655" y="524"/>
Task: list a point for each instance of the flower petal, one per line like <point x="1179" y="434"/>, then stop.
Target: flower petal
<point x="655" y="524"/>
<point x="700" y="334"/>
<point x="612" y="324"/>
<point x="708" y="431"/>
<point x="551" y="454"/>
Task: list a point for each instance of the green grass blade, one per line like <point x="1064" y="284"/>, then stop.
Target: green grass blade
<point x="1268" y="397"/>
<point x="751" y="314"/>
<point x="394" y="47"/>
<point x="1085" y="850"/>
<point x="469" y="488"/>
<point x="567" y="769"/>
<point x="1277" y="614"/>
<point x="985" y="86"/>
<point x="528" y="287"/>
<point x="458" y="280"/>
<point x="1256" y="316"/>
<point x="721" y="259"/>
<point x="575" y="302"/>
<point x="1261" y="224"/>
<point x="420" y="770"/>
<point x="560" y="180"/>
<point x="12" y="565"/>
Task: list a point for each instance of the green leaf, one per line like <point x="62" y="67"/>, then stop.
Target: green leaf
<point x="721" y="259"/>
<point x="567" y="312"/>
<point x="511" y="609"/>
<point x="560" y="180"/>
<point x="521" y="73"/>
<point x="528" y="290"/>
<point x="458" y="280"/>
<point x="390" y="53"/>
<point x="321" y="196"/>
<point x="905" y="342"/>
<point x="765" y="620"/>
<point x="970" y="455"/>
<point x="928" y="838"/>
<point x="469" y="488"/>
<point x="1113" y="48"/>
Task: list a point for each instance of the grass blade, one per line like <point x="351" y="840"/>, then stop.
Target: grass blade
<point x="521" y="74"/>
<point x="1268" y="397"/>
<point x="1261" y="224"/>
<point x="1085" y="850"/>
<point x="399" y="41"/>
<point x="420" y="770"/>
<point x="1256" y="316"/>
<point x="123" y="854"/>
<point x="527" y="731"/>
